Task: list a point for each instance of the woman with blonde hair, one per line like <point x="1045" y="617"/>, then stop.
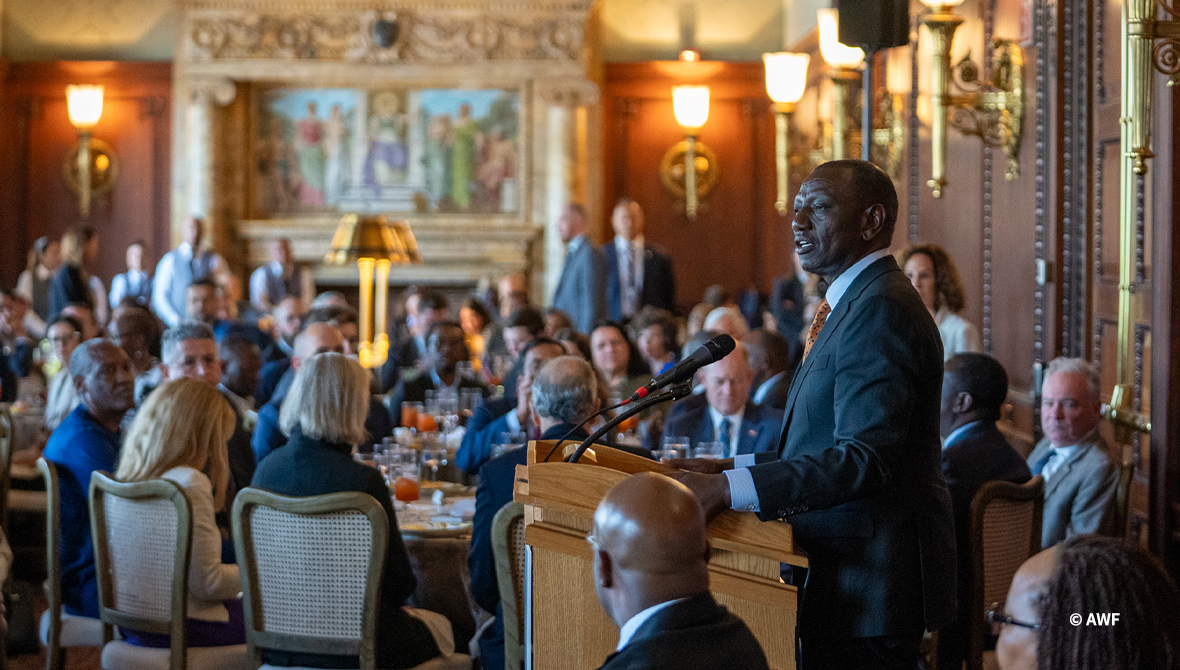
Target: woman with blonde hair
<point x="179" y="434"/>
<point x="324" y="418"/>
<point x="933" y="274"/>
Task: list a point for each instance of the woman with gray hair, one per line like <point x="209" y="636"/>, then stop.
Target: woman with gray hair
<point x="324" y="418"/>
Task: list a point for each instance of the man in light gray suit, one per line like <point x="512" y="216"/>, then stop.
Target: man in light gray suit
<point x="1080" y="477"/>
<point x="581" y="291"/>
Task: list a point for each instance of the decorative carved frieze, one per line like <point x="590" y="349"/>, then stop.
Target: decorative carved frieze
<point x="424" y="36"/>
<point x="568" y="93"/>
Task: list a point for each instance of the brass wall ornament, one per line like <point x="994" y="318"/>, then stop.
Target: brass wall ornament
<point x="888" y="146"/>
<point x="990" y="107"/>
<point x="673" y="171"/>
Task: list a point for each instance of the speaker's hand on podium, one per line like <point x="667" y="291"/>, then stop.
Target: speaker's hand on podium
<point x="708" y="466"/>
<point x="712" y="490"/>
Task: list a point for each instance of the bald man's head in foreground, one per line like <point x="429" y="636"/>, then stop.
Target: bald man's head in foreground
<point x="649" y="545"/>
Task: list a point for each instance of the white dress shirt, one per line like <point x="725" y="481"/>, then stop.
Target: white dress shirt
<point x="743" y="495"/>
<point x="125" y="283"/>
<point x="171" y="314"/>
<point x="735" y="421"/>
<point x="1059" y="457"/>
<point x="632" y="626"/>
<point x="635" y="271"/>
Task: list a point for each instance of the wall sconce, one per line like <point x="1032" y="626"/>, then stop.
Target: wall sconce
<point x="991" y="108"/>
<point x="786" y="80"/>
<point x="373" y="243"/>
<point x="92" y="168"/>
<point x="689" y="169"/>
<point x="845" y="62"/>
<point x="888" y="141"/>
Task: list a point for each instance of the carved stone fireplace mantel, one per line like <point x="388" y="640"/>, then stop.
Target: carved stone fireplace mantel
<point x="233" y="53"/>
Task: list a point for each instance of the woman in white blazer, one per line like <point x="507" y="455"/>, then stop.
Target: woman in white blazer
<point x="933" y="274"/>
<point x="180" y="434"/>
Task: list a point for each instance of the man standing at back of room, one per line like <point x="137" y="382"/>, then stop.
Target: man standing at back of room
<point x="581" y="290"/>
<point x="858" y="472"/>
<point x="181" y="267"/>
<point x="637" y="273"/>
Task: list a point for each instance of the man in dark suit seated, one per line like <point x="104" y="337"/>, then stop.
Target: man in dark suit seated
<point x="974" y="452"/>
<point x="446" y="347"/>
<point x="729" y="416"/>
<point x="565" y="391"/>
<point x="637" y="274"/>
<point x="423" y="310"/>
<point x="772" y="363"/>
<point x="858" y="472"/>
<point x="651" y="572"/>
<point x="507" y="414"/>
<point x="288" y="317"/>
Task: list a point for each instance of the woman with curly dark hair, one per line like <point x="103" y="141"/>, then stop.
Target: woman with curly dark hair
<point x="1061" y="607"/>
<point x="935" y="278"/>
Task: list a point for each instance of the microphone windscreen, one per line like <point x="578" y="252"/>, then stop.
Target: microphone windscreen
<point x="720" y="346"/>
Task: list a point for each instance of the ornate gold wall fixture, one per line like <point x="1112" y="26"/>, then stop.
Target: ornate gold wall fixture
<point x="990" y="107"/>
<point x="889" y="133"/>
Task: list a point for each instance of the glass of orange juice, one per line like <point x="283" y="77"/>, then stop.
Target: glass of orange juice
<point x="405" y="488"/>
<point x="426" y="423"/>
<point x="410" y="411"/>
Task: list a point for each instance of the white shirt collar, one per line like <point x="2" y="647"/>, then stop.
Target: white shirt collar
<point x="621" y="242"/>
<point x="959" y="431"/>
<point x="633" y="624"/>
<point x="185" y="249"/>
<point x="840" y="285"/>
<point x="764" y="388"/>
<point x="577" y="243"/>
<point x="736" y="419"/>
<point x="438" y="383"/>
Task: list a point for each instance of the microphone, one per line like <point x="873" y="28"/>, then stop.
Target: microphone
<point x="710" y="352"/>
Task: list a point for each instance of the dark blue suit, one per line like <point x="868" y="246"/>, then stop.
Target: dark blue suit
<point x="269" y="378"/>
<point x="757" y="434"/>
<point x="694" y="634"/>
<point x="496" y="481"/>
<point x="977" y="455"/>
<point x="860" y="476"/>
<point x="79" y="447"/>
<point x="484" y="426"/>
<point x="659" y="285"/>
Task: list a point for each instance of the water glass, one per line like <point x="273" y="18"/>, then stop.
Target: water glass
<point x="715" y="450"/>
<point x="433" y="458"/>
<point x="507" y="441"/>
<point x="674" y="446"/>
<point x="469" y="401"/>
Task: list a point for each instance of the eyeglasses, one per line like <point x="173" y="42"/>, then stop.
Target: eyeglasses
<point x="997" y="618"/>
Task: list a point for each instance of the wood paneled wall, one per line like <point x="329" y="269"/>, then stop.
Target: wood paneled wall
<point x="36" y="137"/>
<point x="737" y="239"/>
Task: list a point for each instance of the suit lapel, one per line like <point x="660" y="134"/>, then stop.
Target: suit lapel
<point x="1062" y="472"/>
<point x="751" y="424"/>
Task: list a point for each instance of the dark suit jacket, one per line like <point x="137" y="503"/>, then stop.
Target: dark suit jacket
<point x="690" y="635"/>
<point x="789" y="319"/>
<point x="581" y="290"/>
<point x="414" y="390"/>
<point x="308" y="467"/>
<point x="776" y="395"/>
<point x="860" y="475"/>
<point x="67" y="286"/>
<point x="758" y="432"/>
<point x="659" y="286"/>
<point x="497" y="478"/>
<point x="483" y="428"/>
<point x="269" y="378"/>
<point x="267" y="436"/>
<point x="403" y="355"/>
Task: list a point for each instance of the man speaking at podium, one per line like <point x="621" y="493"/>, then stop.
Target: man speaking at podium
<point x="857" y="472"/>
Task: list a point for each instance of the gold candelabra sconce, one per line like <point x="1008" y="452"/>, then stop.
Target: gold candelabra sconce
<point x="990" y="107"/>
<point x="91" y="169"/>
<point x="786" y="81"/>
<point x="689" y="169"/>
<point x="844" y="65"/>
<point x="888" y="146"/>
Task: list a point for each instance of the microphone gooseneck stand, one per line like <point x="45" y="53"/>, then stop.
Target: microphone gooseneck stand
<point x="675" y="392"/>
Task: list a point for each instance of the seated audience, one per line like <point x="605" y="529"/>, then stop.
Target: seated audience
<point x="280" y="278"/>
<point x="86" y="441"/>
<point x="695" y="322"/>
<point x="134" y="284"/>
<point x="329" y="299"/>
<point x="475" y="319"/>
<point x="655" y="334"/>
<point x="727" y="320"/>
<point x="933" y="274"/>
<point x="85" y="316"/>
<point x="16" y="350"/>
<point x="575" y="343"/>
<point x="240" y="362"/>
<point x="729" y="416"/>
<point x="324" y="418"/>
<point x="788" y="302"/>
<point x="1080" y="477"/>
<point x="276" y="376"/>
<point x="445" y="349"/>
<point x="64" y="334"/>
<point x="189" y="351"/>
<point x="288" y="318"/>
<point x="509" y="414"/>
<point x="135" y="330"/>
<point x="33" y="283"/>
<point x="521" y="327"/>
<point x="179" y="434"/>
<point x="423" y="310"/>
<point x="974" y="388"/>
<point x="617" y="359"/>
<point x="773" y="363"/>
<point x="1089" y="576"/>
<point x="202" y="302"/>
<point x="555" y="320"/>
<point x="651" y="572"/>
<point x="564" y="392"/>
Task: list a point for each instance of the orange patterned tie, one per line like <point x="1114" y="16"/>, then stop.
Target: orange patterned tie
<point x="817" y="325"/>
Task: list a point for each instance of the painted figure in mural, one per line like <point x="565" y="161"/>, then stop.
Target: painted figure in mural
<point x="466" y="138"/>
<point x="309" y="145"/>
<point x="436" y="158"/>
<point x="496" y="172"/>
<point x="386" y="161"/>
<point x="336" y="143"/>
<point x="275" y="163"/>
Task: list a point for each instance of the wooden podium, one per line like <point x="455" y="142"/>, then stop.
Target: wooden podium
<point x="565" y="626"/>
